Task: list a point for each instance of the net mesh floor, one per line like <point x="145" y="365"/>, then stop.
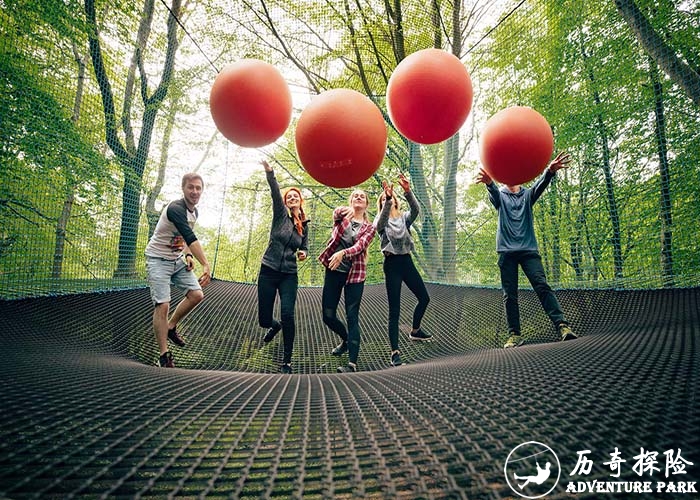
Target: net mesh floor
<point x="85" y="413"/>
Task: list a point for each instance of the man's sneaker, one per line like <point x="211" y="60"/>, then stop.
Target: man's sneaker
<point x="340" y="349"/>
<point x="566" y="333"/>
<point x="349" y="368"/>
<point x="515" y="340"/>
<point x="166" y="360"/>
<point x="420" y="335"/>
<point x="396" y="359"/>
<point x="175" y="337"/>
<point x="286" y="368"/>
<point x="270" y="335"/>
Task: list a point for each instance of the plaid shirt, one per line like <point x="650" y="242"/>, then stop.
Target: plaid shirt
<point x="357" y="253"/>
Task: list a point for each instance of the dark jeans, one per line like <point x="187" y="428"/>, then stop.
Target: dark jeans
<point x="333" y="285"/>
<point x="271" y="282"/>
<point x="400" y="269"/>
<point x="531" y="262"/>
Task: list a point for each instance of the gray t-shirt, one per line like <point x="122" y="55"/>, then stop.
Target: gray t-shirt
<point x="349" y="238"/>
<point x="395" y="232"/>
<point x="173" y="231"/>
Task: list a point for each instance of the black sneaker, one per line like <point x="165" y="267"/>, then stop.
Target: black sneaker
<point x="166" y="360"/>
<point x="286" y="368"/>
<point x="270" y="335"/>
<point x="396" y="359"/>
<point x="349" y="368"/>
<point x="340" y="349"/>
<point x="175" y="337"/>
<point x="420" y="335"/>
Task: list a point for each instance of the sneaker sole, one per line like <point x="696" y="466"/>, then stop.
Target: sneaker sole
<point x="514" y="345"/>
<point x="418" y="339"/>
<point x="569" y="336"/>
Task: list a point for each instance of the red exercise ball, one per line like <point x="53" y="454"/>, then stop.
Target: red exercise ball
<point x="341" y="138"/>
<point x="250" y="103"/>
<point x="429" y="96"/>
<point x="516" y="145"/>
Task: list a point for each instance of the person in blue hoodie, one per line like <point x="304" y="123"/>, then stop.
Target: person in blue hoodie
<point x="516" y="245"/>
<point x="278" y="269"/>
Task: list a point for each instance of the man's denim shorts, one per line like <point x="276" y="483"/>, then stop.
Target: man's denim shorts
<point x="163" y="272"/>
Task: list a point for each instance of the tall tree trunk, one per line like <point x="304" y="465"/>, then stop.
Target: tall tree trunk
<point x="555" y="216"/>
<point x="251" y="222"/>
<point x="664" y="178"/>
<point x="128" y="230"/>
<point x="62" y="222"/>
<point x="682" y="74"/>
<point x="428" y="234"/>
<point x="61" y="226"/>
<point x="132" y="155"/>
<point x="152" y="215"/>
<point x="607" y="173"/>
<point x="449" y="225"/>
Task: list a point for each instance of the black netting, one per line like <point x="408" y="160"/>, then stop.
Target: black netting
<point x="84" y="415"/>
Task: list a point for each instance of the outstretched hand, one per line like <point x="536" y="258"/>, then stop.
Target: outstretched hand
<point x="266" y="165"/>
<point x="561" y="161"/>
<point x="403" y="182"/>
<point x="388" y="189"/>
<point x="483" y="177"/>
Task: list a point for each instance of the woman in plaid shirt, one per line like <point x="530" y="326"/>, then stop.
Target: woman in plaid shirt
<point x="345" y="259"/>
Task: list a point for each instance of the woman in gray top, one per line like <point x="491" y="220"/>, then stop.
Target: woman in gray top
<point x="396" y="243"/>
<point x="278" y="270"/>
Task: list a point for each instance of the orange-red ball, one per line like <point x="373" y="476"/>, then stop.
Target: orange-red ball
<point x="516" y="145"/>
<point x="250" y="103"/>
<point x="429" y="96"/>
<point x="341" y="138"/>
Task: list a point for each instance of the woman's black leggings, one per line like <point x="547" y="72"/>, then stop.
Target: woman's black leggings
<point x="334" y="284"/>
<point x="270" y="283"/>
<point x="400" y="269"/>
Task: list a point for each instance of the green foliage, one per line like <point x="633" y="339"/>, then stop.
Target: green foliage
<point x="577" y="62"/>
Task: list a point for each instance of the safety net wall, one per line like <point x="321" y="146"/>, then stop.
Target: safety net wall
<point x="105" y="106"/>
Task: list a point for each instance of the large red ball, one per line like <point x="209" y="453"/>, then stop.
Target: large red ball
<point x="516" y="145"/>
<point x="429" y="96"/>
<point x="250" y="103"/>
<point x="341" y="138"/>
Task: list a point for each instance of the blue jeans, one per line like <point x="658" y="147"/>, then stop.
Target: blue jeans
<point x="334" y="284"/>
<point x="270" y="283"/>
<point x="531" y="262"/>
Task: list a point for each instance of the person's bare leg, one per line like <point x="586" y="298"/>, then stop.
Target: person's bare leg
<point x="190" y="301"/>
<point x="160" y="325"/>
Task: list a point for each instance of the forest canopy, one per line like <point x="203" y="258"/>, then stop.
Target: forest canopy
<point x="104" y="106"/>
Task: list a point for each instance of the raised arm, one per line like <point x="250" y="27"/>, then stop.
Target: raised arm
<point x="561" y="161"/>
<point x="484" y="178"/>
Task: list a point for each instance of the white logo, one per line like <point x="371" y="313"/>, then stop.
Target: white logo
<point x="532" y="470"/>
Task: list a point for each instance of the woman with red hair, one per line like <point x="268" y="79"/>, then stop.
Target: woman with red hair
<point x="278" y="270"/>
